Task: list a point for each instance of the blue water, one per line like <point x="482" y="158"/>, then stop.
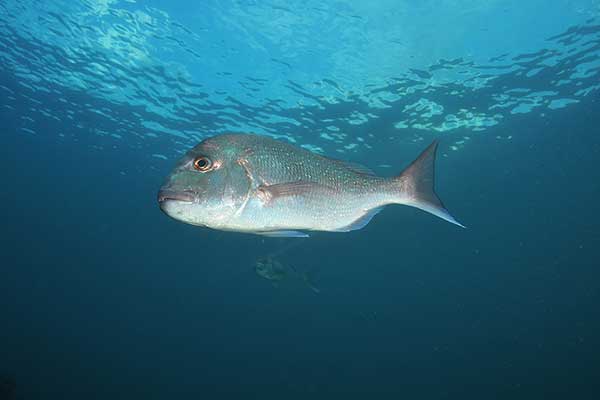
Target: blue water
<point x="102" y="296"/>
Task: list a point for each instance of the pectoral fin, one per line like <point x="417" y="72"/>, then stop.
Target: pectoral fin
<point x="268" y="193"/>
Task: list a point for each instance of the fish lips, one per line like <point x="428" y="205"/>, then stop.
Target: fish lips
<point x="167" y="195"/>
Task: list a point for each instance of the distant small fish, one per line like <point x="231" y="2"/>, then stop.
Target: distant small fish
<point x="271" y="269"/>
<point x="256" y="184"/>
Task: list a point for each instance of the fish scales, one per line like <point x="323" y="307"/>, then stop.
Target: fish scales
<point x="341" y="196"/>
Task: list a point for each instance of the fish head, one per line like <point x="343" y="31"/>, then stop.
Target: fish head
<point x="269" y="269"/>
<point x="207" y="186"/>
<point x="262" y="267"/>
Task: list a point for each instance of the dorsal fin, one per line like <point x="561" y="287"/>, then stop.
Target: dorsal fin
<point x="353" y="166"/>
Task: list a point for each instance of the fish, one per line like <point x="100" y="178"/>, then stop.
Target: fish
<point x="273" y="270"/>
<point x="251" y="183"/>
<point x="270" y="269"/>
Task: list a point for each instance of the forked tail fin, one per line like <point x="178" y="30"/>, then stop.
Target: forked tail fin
<point x="310" y="278"/>
<point x="416" y="185"/>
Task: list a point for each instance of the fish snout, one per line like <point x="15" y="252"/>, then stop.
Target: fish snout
<point x="165" y="195"/>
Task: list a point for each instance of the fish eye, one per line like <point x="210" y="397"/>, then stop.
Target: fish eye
<point x="203" y="164"/>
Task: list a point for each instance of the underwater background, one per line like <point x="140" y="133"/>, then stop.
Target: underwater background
<point x="102" y="296"/>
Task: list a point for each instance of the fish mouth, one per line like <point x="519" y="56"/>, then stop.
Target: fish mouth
<point x="174" y="195"/>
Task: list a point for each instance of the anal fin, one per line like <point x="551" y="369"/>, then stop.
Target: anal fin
<point x="283" y="233"/>
<point x="361" y="221"/>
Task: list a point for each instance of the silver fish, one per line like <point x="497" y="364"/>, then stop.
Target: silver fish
<point x="256" y="184"/>
<point x="271" y="269"/>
